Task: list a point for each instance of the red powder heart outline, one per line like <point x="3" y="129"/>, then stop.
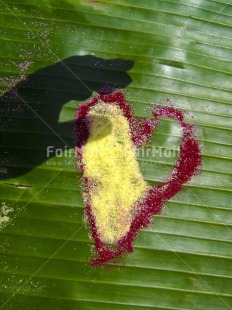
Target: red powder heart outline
<point x="187" y="165"/>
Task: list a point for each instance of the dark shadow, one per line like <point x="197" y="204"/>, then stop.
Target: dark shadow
<point x="30" y="110"/>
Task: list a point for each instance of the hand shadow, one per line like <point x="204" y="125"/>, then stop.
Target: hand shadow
<point x="30" y="110"/>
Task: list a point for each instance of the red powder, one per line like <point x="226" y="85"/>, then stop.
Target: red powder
<point x="187" y="165"/>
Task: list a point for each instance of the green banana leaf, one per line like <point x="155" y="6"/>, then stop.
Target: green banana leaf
<point x="160" y="52"/>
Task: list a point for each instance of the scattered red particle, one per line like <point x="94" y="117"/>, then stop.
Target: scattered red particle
<point x="187" y="165"/>
<point x="168" y="112"/>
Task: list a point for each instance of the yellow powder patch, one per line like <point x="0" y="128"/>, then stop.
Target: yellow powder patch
<point x="4" y="214"/>
<point x="110" y="165"/>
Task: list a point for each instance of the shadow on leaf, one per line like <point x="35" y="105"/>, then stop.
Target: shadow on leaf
<point x="30" y="110"/>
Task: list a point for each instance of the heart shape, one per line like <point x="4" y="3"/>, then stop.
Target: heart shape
<point x="118" y="202"/>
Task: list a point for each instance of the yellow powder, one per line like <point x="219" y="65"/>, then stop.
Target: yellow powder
<point x="111" y="166"/>
<point x="4" y="214"/>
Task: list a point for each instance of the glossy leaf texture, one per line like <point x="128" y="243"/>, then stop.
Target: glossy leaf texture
<point x="54" y="55"/>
